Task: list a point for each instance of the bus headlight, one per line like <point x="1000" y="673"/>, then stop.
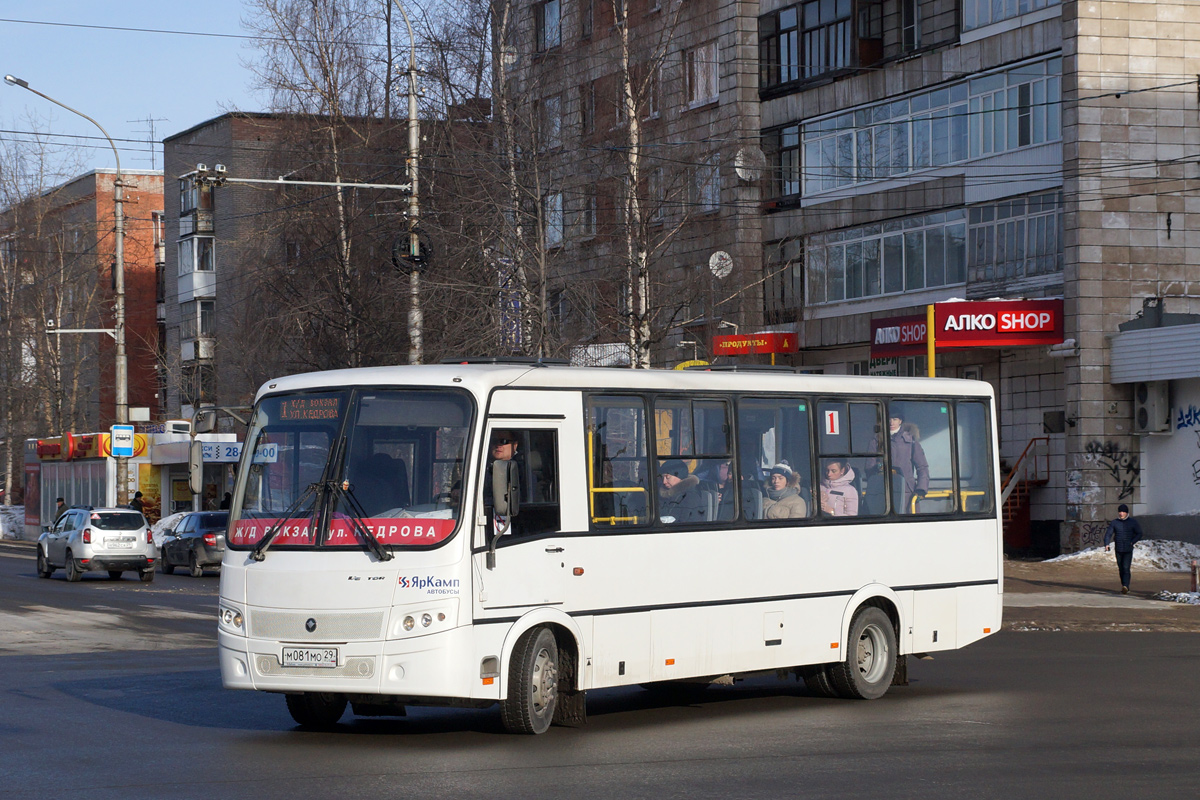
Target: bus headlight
<point x="409" y="623"/>
<point x="231" y="619"/>
<point x="426" y="620"/>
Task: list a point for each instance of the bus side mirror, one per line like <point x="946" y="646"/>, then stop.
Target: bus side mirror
<point x="506" y="488"/>
<point x="506" y="491"/>
<point x="196" y="467"/>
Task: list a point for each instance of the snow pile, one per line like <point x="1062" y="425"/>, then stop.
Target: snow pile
<point x="12" y="522"/>
<point x="1191" y="598"/>
<point x="1160" y="555"/>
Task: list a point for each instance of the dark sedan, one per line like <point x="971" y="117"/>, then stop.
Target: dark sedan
<point x="196" y="541"/>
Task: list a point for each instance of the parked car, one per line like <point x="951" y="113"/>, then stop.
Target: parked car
<point x="160" y="529"/>
<point x="82" y="540"/>
<point x="196" y="541"/>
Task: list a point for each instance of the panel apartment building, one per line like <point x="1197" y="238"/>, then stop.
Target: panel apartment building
<point x="924" y="151"/>
<point x="674" y="86"/>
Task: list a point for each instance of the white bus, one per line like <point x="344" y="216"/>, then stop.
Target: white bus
<point x="662" y="528"/>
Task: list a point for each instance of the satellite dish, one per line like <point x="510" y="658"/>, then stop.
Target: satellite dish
<point x="721" y="264"/>
<point x="749" y="164"/>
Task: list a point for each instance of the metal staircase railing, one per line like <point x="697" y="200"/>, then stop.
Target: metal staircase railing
<point x="1033" y="467"/>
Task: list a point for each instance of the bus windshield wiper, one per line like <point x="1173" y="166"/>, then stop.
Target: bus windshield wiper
<point x="356" y="516"/>
<point x="258" y="553"/>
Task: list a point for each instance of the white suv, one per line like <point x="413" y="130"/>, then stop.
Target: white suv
<point x="98" y="539"/>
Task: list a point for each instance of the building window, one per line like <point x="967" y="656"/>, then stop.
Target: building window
<point x="196" y="255"/>
<point x="651" y="99"/>
<point x="198" y="319"/>
<point x="910" y="25"/>
<point x="587" y="108"/>
<point x="656" y="195"/>
<point x="187" y="196"/>
<point x="194" y="197"/>
<point x="551" y="122"/>
<point x="805" y="41"/>
<point x="887" y="258"/>
<point x="706" y="185"/>
<point x="784" y="147"/>
<point x="978" y="13"/>
<point x="552" y="218"/>
<point x="549" y="25"/>
<point x="782" y="287"/>
<point x="1017" y="238"/>
<point x="701" y="75"/>
<point x="779" y="47"/>
<point x="586" y="11"/>
<point x="1015" y="109"/>
<point x="991" y="114"/>
<point x="585" y="220"/>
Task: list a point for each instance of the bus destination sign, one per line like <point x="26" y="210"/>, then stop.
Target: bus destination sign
<point x="309" y="409"/>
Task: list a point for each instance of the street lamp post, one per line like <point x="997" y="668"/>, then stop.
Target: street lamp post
<point x="121" y="369"/>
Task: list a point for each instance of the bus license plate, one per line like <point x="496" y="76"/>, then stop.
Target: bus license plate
<point x="326" y="657"/>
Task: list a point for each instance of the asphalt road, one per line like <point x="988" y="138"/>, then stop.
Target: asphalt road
<point x="135" y="709"/>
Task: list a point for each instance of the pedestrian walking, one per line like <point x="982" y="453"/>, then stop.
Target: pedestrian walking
<point x="1123" y="532"/>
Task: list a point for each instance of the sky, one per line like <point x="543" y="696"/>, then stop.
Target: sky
<point x="122" y="78"/>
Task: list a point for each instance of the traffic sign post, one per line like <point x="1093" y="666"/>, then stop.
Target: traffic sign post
<point x="122" y="441"/>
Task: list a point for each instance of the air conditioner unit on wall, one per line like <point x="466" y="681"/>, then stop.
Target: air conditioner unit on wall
<point x="1151" y="407"/>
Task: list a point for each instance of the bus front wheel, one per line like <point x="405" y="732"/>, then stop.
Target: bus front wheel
<point x="316" y="710"/>
<point x="532" y="683"/>
<point x="870" y="661"/>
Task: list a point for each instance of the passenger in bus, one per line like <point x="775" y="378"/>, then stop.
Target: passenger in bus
<point x="719" y="481"/>
<point x="679" y="496"/>
<point x="839" y="498"/>
<point x="783" y="500"/>
<point x="910" y="469"/>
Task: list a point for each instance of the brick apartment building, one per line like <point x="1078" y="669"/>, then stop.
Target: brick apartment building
<point x="59" y="245"/>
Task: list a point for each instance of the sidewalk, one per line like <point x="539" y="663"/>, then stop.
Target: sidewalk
<point x="1042" y="595"/>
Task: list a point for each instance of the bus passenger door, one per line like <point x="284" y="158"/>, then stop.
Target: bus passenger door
<point x="529" y="567"/>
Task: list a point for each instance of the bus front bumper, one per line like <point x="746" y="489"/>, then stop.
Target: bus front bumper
<point x="434" y="667"/>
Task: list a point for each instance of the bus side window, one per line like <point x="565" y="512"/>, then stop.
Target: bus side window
<point x="775" y="458"/>
<point x="974" y="457"/>
<point x="920" y="456"/>
<point x="617" y="464"/>
<point x="692" y="445"/>
<point x="853" y="473"/>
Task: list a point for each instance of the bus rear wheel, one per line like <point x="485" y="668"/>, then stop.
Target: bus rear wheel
<point x="870" y="661"/>
<point x="316" y="710"/>
<point x="532" y="683"/>
<point x="816" y="680"/>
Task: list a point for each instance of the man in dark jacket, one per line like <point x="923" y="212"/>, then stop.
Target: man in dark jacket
<point x="1123" y="532"/>
<point x="679" y="497"/>
<point x="910" y="470"/>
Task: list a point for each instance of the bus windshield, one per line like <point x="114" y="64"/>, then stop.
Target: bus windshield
<point x="387" y="460"/>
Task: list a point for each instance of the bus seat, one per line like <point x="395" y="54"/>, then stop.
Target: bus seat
<point x="382" y="484"/>
<point x="752" y="500"/>
<point x="710" y="504"/>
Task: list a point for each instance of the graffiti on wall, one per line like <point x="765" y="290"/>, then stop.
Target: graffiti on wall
<point x="1196" y="464"/>
<point x="1124" y="466"/>
<point x="1187" y="418"/>
<point x="1091" y="534"/>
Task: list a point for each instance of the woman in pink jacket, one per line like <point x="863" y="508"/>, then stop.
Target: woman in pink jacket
<point x="839" y="498"/>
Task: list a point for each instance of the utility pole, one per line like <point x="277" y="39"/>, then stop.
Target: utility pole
<point x="415" y="260"/>
<point x="121" y="376"/>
